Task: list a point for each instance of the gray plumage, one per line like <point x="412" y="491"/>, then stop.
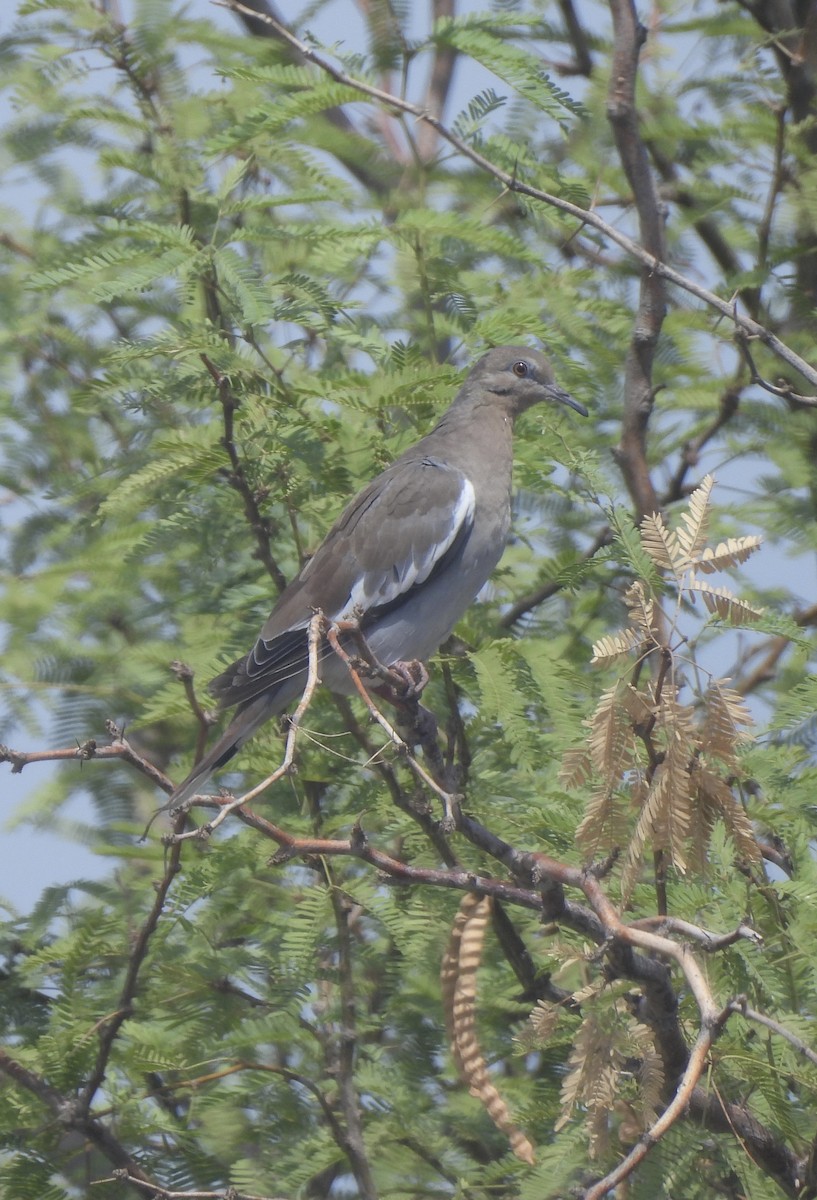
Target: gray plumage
<point x="406" y="557"/>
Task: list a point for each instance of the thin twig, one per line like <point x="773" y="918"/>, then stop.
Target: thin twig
<point x="345" y="1046"/>
<point x="449" y="800"/>
<point x="184" y="674"/>
<point x="691" y="450"/>
<point x="784" y="390"/>
<point x="739" y="1005"/>
<point x="768" y="654"/>
<point x="259" y="524"/>
<point x="776" y="186"/>
<point x="155" y="1191"/>
<point x="578" y="39"/>
<point x="513" y="184"/>
<point x="639" y="390"/>
<point x="69" y="1113"/>
<point x="524" y="604"/>
<point x="109" y="1030"/>
<point x="287" y="1073"/>
<point x="287" y="764"/>
<point x="422" y="815"/>
<point x="439" y="82"/>
<point x="673" y="1112"/>
<point x="710" y="941"/>
<point x="120" y="751"/>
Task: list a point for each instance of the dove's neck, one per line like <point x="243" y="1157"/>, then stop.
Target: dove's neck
<point x="478" y="440"/>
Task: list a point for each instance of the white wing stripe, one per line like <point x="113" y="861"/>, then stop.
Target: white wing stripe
<point x="382" y="587"/>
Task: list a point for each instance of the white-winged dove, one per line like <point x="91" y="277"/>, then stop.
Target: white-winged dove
<point x="405" y="558"/>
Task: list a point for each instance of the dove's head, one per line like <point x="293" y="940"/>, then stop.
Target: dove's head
<point x="519" y="377"/>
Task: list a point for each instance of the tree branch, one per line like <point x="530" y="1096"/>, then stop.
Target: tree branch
<point x="287" y="764"/>
<point x="260" y="525"/>
<point x="439" y="83"/>
<point x="71" y="1114"/>
<point x="672" y="1113"/>
<point x="633" y="952"/>
<point x="261" y="19"/>
<point x="631" y="453"/>
<point x="512" y="183"/>
<point x="578" y="38"/>
<point x="120" y="750"/>
<point x="111" y="1025"/>
<point x="155" y="1192"/>
<point x="353" y="1143"/>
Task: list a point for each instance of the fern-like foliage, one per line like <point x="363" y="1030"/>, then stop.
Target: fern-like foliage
<point x="476" y="36"/>
<point x="604" y="1047"/>
<point x="233" y="290"/>
<point x="648" y="751"/>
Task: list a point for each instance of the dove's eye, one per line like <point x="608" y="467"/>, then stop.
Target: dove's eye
<point x="521" y="369"/>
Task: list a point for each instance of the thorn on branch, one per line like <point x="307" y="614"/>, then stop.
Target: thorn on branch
<point x="282" y="856"/>
<point x="86" y="750"/>
<point x="357" y="838"/>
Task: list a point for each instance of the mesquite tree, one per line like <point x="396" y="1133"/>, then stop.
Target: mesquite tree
<point x="250" y="255"/>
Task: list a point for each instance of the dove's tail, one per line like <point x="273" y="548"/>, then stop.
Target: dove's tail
<point x="247" y="719"/>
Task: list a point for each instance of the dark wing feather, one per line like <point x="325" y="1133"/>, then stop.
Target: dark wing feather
<point x="390" y="540"/>
<point x="267" y="665"/>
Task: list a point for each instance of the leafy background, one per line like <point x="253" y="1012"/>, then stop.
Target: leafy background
<point x="205" y="207"/>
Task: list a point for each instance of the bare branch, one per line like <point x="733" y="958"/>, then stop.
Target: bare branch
<point x="792" y="31"/>
<point x="185" y="674"/>
<point x="639" y="393"/>
<point x="776" y="185"/>
<point x="259" y="524"/>
<point x="525" y="604"/>
<point x="439" y="84"/>
<point x="345" y="1046"/>
<point x="740" y="1005"/>
<point x="672" y="1113"/>
<point x="578" y="38"/>
<point x="110" y="1027"/>
<point x="691" y="451"/>
<point x="120" y="751"/>
<point x="767" y="655"/>
<point x="783" y="389"/>
<point x="449" y="800"/>
<point x="585" y="216"/>
<point x="155" y="1192"/>
<point x="71" y="1114"/>
<point x="709" y="941"/>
